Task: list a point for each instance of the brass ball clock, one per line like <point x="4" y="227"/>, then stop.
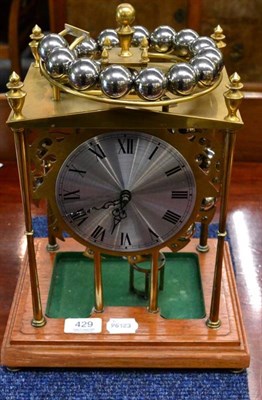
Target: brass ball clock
<point x="129" y="138"/>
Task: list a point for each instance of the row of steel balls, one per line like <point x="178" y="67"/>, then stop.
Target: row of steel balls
<point x="203" y="63"/>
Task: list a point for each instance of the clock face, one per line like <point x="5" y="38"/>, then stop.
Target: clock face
<point x="125" y="191"/>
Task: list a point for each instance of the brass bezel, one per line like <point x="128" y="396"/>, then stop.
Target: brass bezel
<point x="189" y="150"/>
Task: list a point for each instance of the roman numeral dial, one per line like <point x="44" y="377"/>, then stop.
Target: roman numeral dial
<point x="125" y="192"/>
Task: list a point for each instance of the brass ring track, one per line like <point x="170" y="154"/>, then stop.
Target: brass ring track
<point x="158" y="103"/>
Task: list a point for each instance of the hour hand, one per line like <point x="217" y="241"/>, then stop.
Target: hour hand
<point x="119" y="212"/>
<point x="118" y="215"/>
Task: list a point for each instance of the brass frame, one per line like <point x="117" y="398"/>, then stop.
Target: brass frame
<point x="16" y="98"/>
<point x="18" y="122"/>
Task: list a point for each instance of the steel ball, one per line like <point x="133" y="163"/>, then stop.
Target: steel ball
<point x="205" y="70"/>
<point x="86" y="48"/>
<point x="49" y="43"/>
<point x="150" y="84"/>
<point x="82" y="74"/>
<point x="182" y="41"/>
<point x="182" y="79"/>
<point x="139" y="34"/>
<point x="116" y="81"/>
<point x="214" y="55"/>
<point x="108" y="33"/>
<point x="200" y="43"/>
<point x="162" y="38"/>
<point x="58" y="62"/>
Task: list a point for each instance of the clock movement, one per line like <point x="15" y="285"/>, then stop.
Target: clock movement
<point x="129" y="139"/>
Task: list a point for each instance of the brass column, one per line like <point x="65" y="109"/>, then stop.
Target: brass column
<point x="99" y="306"/>
<point x="203" y="247"/>
<point x="52" y="244"/>
<point x="153" y="301"/>
<point x="16" y="97"/>
<point x="213" y="320"/>
<point x="233" y="99"/>
<point x="23" y="169"/>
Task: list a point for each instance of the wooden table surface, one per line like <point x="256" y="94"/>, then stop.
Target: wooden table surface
<point x="244" y="219"/>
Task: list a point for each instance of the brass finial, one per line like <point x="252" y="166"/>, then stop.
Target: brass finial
<point x="15" y="96"/>
<point x="105" y="53"/>
<point x="107" y="43"/>
<point x="144" y="54"/>
<point x="233" y="97"/>
<point x="36" y="33"/>
<point x="36" y="36"/>
<point x="125" y="15"/>
<point x="219" y="37"/>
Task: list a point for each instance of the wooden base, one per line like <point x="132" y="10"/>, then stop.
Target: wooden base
<point x="157" y="342"/>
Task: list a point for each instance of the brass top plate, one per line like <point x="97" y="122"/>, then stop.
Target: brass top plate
<point x="41" y="110"/>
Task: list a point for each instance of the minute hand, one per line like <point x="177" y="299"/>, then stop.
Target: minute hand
<point x="106" y="205"/>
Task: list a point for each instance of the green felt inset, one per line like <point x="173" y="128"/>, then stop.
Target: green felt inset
<point x="71" y="291"/>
